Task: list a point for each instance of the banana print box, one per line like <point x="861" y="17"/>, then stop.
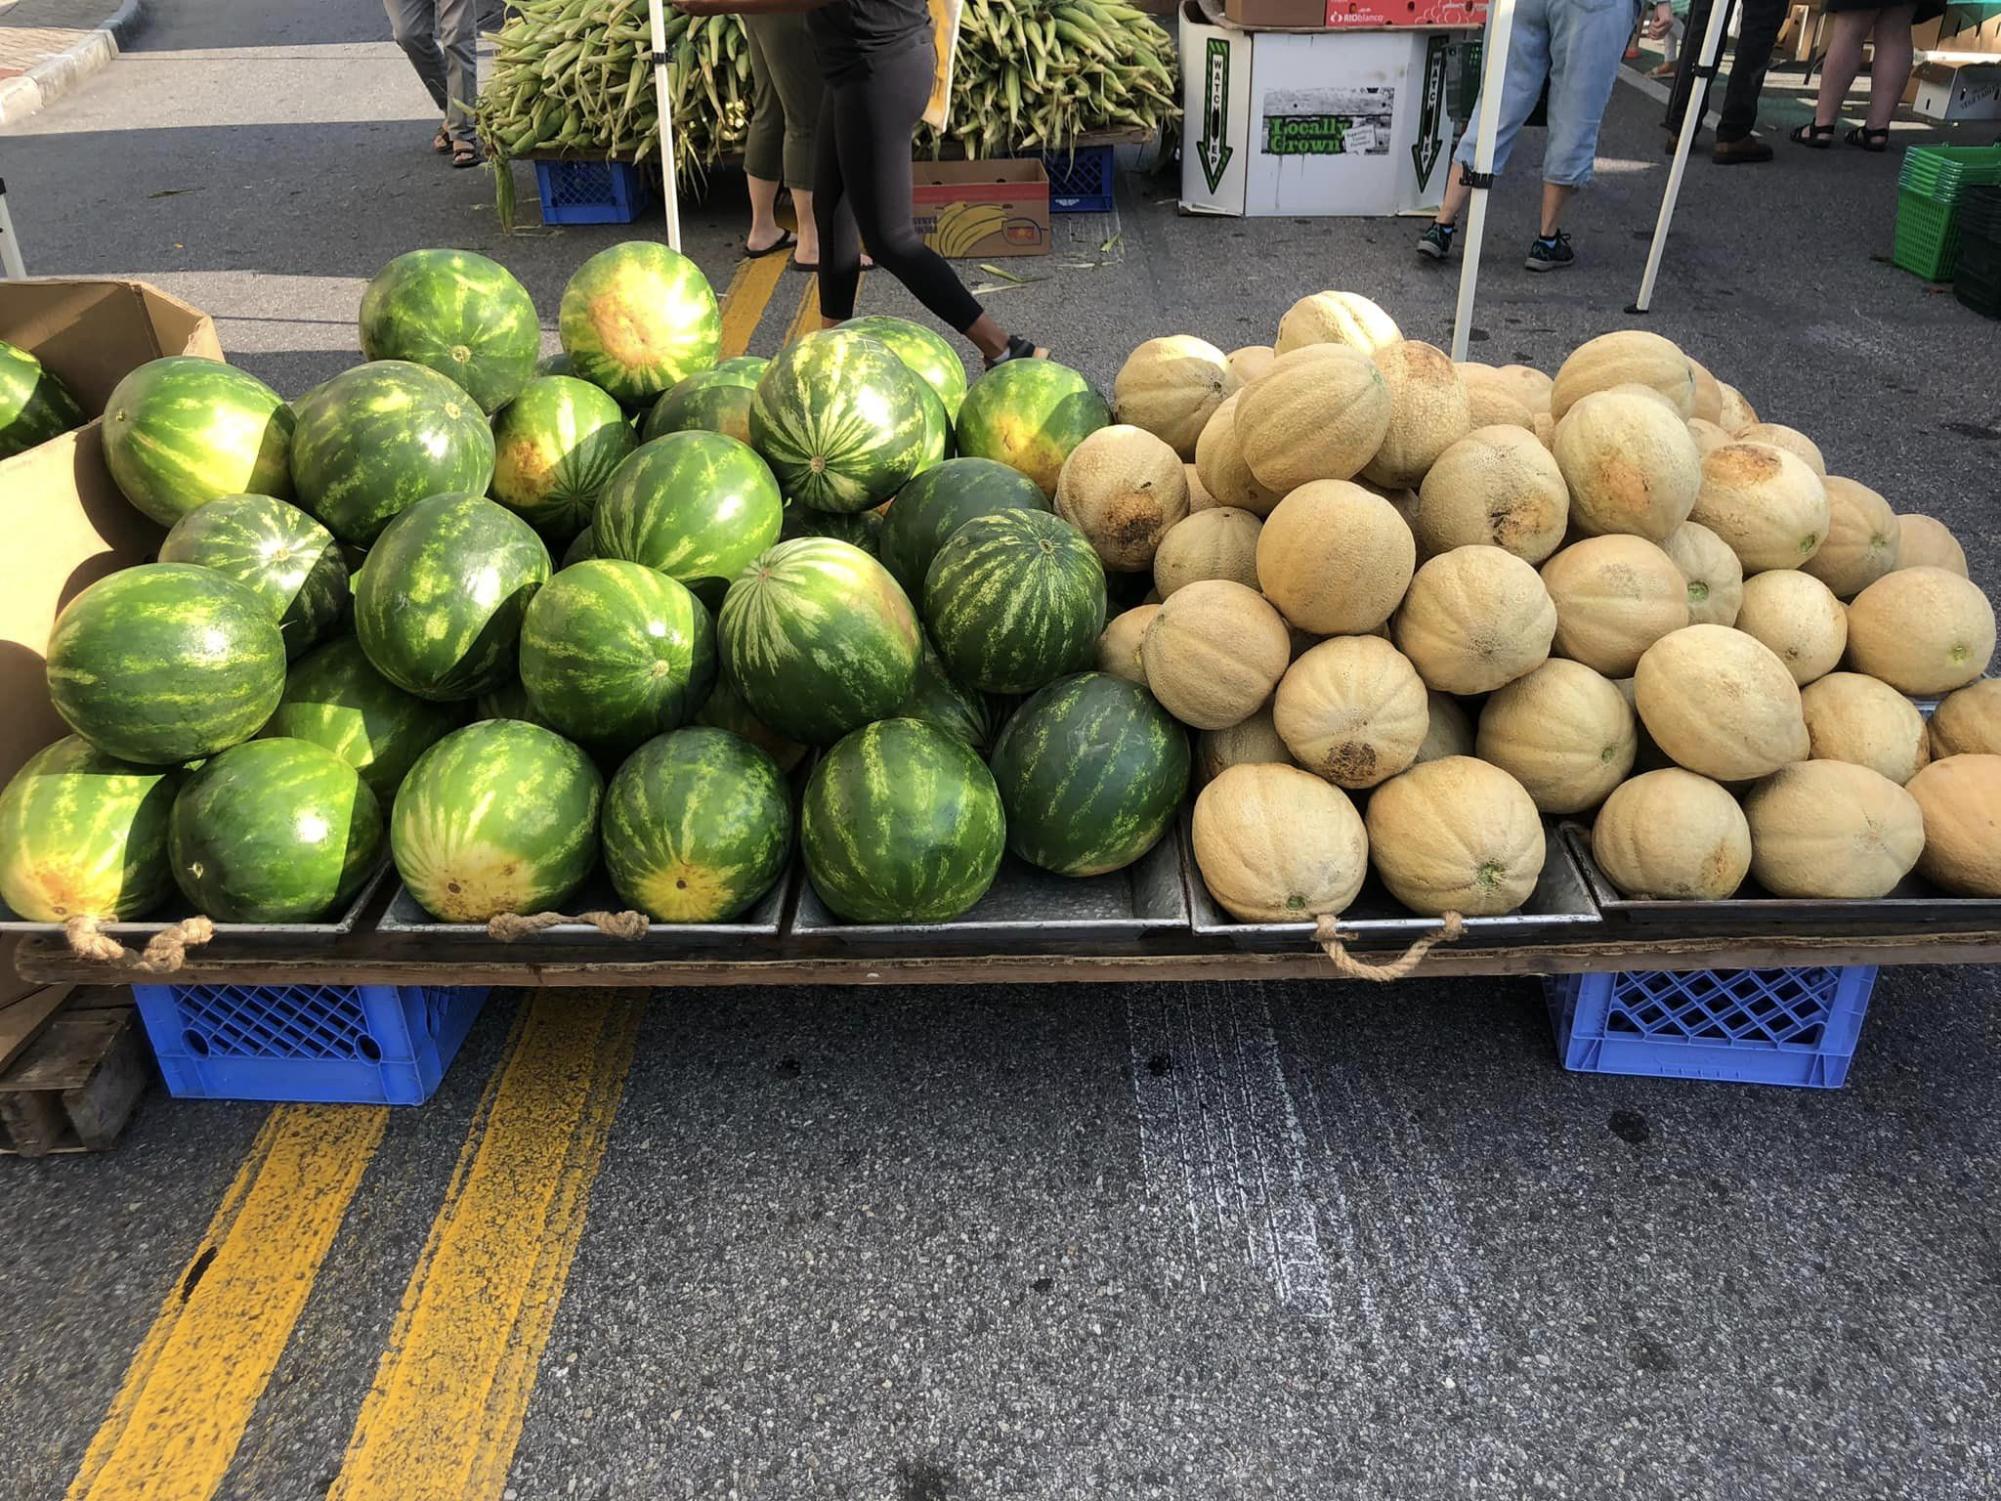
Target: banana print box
<point x="980" y="210"/>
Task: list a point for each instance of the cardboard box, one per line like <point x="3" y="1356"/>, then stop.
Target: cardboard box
<point x="981" y="210"/>
<point x="1334" y="15"/>
<point x="1972" y="92"/>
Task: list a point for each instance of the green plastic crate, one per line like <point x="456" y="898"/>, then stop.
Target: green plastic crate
<point x="1939" y="172"/>
<point x="1927" y="240"/>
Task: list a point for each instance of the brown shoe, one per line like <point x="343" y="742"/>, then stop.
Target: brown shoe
<point x="1734" y="153"/>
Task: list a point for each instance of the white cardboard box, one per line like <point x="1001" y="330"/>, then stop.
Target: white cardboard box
<point x="1972" y="92"/>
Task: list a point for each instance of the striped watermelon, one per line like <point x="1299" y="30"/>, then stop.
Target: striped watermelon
<point x="463" y="315"/>
<point x="696" y="827"/>
<point x="556" y="364"/>
<point x="861" y="529"/>
<point x="500" y="816"/>
<point x="970" y="718"/>
<point x="726" y="710"/>
<point x="1030" y="414"/>
<point x="439" y="606"/>
<point x="166" y="663"/>
<point x="937" y="434"/>
<point x="923" y="351"/>
<point x="716" y="401"/>
<point x="613" y="654"/>
<point x="840" y="420"/>
<point x="638" y="318"/>
<point x="693" y="505"/>
<point x="1091" y="771"/>
<point x="554" y="446"/>
<point x="583" y="547"/>
<point x="508" y="701"/>
<point x="819" y="639"/>
<point x="286" y="558"/>
<point x="34" y="404"/>
<point x="335" y="698"/>
<point x="181" y="431"/>
<point x="274" y="831"/>
<point x="375" y="440"/>
<point x="934" y="505"/>
<point x="83" y="834"/>
<point x="1015" y="599"/>
<point x="901" y="824"/>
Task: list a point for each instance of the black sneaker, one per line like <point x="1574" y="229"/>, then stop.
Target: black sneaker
<point x="1550" y="252"/>
<point x="1436" y="241"/>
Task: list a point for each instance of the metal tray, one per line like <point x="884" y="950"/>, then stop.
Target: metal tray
<point x="1030" y="911"/>
<point x="1559" y="907"/>
<point x="298" y="934"/>
<point x="407" y="919"/>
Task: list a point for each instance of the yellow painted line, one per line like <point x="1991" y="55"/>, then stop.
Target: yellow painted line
<point x="749" y="293"/>
<point x="807" y="319"/>
<point x="174" y="1426"/>
<point x="444" y="1414"/>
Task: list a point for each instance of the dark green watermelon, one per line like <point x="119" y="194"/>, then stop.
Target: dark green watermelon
<point x="508" y="701"/>
<point x="1029" y="414"/>
<point x="1015" y="599"/>
<point x="180" y="431"/>
<point x="901" y="824"/>
<point x="555" y="445"/>
<point x="937" y="502"/>
<point x="274" y="831"/>
<point x="1091" y="771"/>
<point x="937" y="434"/>
<point x="726" y="710"/>
<point x="288" y="559"/>
<point x="462" y="315"/>
<point x="692" y="505"/>
<point x="166" y="663"/>
<point x="583" y="547"/>
<point x="83" y="834"/>
<point x="438" y="608"/>
<point x="924" y="351"/>
<point x="861" y="529"/>
<point x="697" y="825"/>
<point x="34" y="405"/>
<point x="638" y="318"/>
<point x="375" y="440"/>
<point x="556" y="364"/>
<point x="819" y="639"/>
<point x="335" y="698"/>
<point x="716" y="401"/>
<point x="840" y="420"/>
<point x="969" y="717"/>
<point x="501" y="816"/>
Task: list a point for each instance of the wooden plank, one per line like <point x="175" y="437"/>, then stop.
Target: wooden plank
<point x="22" y="1022"/>
<point x="99" y="1108"/>
<point x="67" y="1054"/>
<point x="76" y="1087"/>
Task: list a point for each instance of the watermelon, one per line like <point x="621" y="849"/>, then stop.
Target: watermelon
<point x="901" y="824"/>
<point x="819" y="639"/>
<point x="181" y="431"/>
<point x="726" y="710"/>
<point x="693" y="505"/>
<point x="83" y="834"/>
<point x="555" y="445"/>
<point x="166" y="663"/>
<point x="696" y="827"/>
<point x="861" y="529"/>
<point x="1030" y="414"/>
<point x="500" y="816"/>
<point x="1014" y="600"/>
<point x="1091" y="771"/>
<point x="970" y="718"/>
<point x="335" y="698"/>
<point x="840" y="421"/>
<point x="287" y="559"/>
<point x="613" y="654"/>
<point x="936" y="503"/>
<point x="463" y="315"/>
<point x="508" y="701"/>
<point x="375" y="440"/>
<point x="716" y="401"/>
<point x="556" y="364"/>
<point x="638" y="318"/>
<point x="583" y="547"/>
<point x="923" y="351"/>
<point x="274" y="831"/>
<point x="937" y="434"/>
<point x="439" y="606"/>
<point x="34" y="405"/>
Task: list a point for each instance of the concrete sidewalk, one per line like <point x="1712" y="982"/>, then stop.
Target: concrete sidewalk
<point x="47" y="47"/>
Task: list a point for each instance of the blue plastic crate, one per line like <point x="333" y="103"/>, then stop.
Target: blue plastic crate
<point x="1748" y="1026"/>
<point x="1080" y="182"/>
<point x="353" y="1044"/>
<point x="594" y="192"/>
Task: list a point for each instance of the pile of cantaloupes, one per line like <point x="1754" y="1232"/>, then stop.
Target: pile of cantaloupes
<point x="1414" y="609"/>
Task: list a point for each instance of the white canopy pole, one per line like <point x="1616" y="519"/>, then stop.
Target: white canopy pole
<point x="670" y="194"/>
<point x="1691" y="122"/>
<point x="1493" y="73"/>
<point x="11" y="264"/>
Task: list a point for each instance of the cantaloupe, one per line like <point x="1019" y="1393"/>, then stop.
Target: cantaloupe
<point x="1968" y="722"/>
<point x="1960" y="800"/>
<point x="1707" y="435"/>
<point x="1720" y="703"/>
<point x="1274" y="844"/>
<point x="1254" y="742"/>
<point x="1318" y="413"/>
<point x="1545" y="429"/>
<point x="1220" y="466"/>
<point x="1493" y="398"/>
<point x="1672" y="836"/>
<point x="1122" y="488"/>
<point x="1214" y="653"/>
<point x="1926" y="542"/>
<point x="1564" y="732"/>
<point x="1475" y="618"/>
<point x="1352" y="710"/>
<point x="1251" y="361"/>
<point x="1219" y="543"/>
<point x="1336" y="318"/>
<point x="1171" y="386"/>
<point x="1199" y="498"/>
<point x="1531" y="387"/>
<point x="1862" y="542"/>
<point x="1615" y="359"/>
<point x="1118" y="643"/>
<point x="1791" y="439"/>
<point x="1630" y="464"/>
<point x="1715" y="577"/>
<point x="1334" y="558"/>
<point x="1765" y="503"/>
<point x="1450" y="732"/>
<point x="1832" y="830"/>
<point x="1708" y="394"/>
<point x="1799" y="618"/>
<point x="1614" y="597"/>
<point x="1736" y="414"/>
<point x="1850" y="717"/>
<point x="1923" y="631"/>
<point x="1428" y="412"/>
<point x="1456" y="835"/>
<point x="1496" y="486"/>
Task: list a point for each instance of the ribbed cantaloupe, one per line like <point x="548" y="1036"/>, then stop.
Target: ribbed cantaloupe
<point x="1450" y="732"/>
<point x="1475" y="618"/>
<point x="1496" y="486"/>
<point x="1219" y="543"/>
<point x="1352" y="710"/>
<point x="1251" y="361"/>
<point x="1171" y="386"/>
<point x="1765" y="503"/>
<point x="1122" y="488"/>
<point x="1851" y="717"/>
<point x="1799" y="618"/>
<point x="1428" y="412"/>
<point x="1737" y="413"/>
<point x="1318" y="413"/>
<point x="1960" y="800"/>
<point x="1456" y="835"/>
<point x="1616" y="359"/>
<point x="1968" y="722"/>
<point x="1220" y="466"/>
<point x="1614" y="598"/>
<point x="1862" y="541"/>
<point x="1199" y="498"/>
<point x="1564" y="732"/>
<point x="1791" y="439"/>
<point x="1923" y="631"/>
<point x="1276" y="845"/>
<point x="1708" y="394"/>
<point x="1707" y="435"/>
<point x="1493" y="398"/>
<point x="1832" y="830"/>
<point x="1254" y="742"/>
<point x="1630" y="463"/>
<point x="1335" y="558"/>
<point x="1118" y="643"/>
<point x="1214" y="653"/>
<point x="1926" y="542"/>
<point x="1715" y="577"/>
<point x="1336" y="318"/>
<point x="1531" y="387"/>
<point x="1673" y="836"/>
<point x="1720" y="703"/>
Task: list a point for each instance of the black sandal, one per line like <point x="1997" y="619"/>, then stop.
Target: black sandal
<point x="1018" y="348"/>
<point x="785" y="241"/>
<point x="442" y="141"/>
<point x="465" y="154"/>
<point x="1819" y="137"/>
<point x="1868" y="140"/>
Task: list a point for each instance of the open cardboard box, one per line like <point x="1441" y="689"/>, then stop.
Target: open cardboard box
<point x="984" y="209"/>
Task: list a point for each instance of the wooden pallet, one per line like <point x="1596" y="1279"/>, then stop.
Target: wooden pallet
<point x="79" y="1078"/>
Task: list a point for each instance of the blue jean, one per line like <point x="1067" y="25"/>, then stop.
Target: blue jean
<point x="1577" y="46"/>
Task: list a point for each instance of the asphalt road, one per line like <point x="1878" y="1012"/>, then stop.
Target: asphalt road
<point x="1181" y="1241"/>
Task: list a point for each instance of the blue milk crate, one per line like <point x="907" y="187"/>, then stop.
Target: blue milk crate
<point x="594" y="192"/>
<point x="351" y="1044"/>
<point x="1747" y="1026"/>
<point x="1080" y="182"/>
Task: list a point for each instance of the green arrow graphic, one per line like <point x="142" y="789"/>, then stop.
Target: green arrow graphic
<point x="1213" y="151"/>
<point x="1430" y="138"/>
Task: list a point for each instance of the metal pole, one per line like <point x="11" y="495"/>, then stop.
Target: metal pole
<point x="1493" y="74"/>
<point x="10" y="243"/>
<point x="1691" y="122"/>
<point x="669" y="191"/>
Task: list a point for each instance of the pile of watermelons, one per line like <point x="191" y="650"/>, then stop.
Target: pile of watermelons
<point x="355" y="640"/>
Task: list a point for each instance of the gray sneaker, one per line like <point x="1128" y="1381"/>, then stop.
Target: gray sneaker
<point x="1436" y="241"/>
<point x="1550" y="252"/>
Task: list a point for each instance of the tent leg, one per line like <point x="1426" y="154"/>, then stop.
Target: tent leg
<point x="1493" y="73"/>
<point x="11" y="264"/>
<point x="1691" y="122"/>
<point x="670" y="193"/>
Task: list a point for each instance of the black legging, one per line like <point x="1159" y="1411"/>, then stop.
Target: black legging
<point x="861" y="189"/>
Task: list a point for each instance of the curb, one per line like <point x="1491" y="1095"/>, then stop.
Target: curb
<point x="55" y="76"/>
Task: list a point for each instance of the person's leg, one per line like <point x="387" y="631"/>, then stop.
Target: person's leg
<point x="840" y="239"/>
<point x="1685" y="87"/>
<point x="763" y="142"/>
<point x="1555" y="196"/>
<point x="1521" y="86"/>
<point x="1842" y="63"/>
<point x="1889" y="64"/>
<point x="1584" y="46"/>
<point x="795" y="76"/>
<point x="414" y="26"/>
<point x="1757" y="34"/>
<point x="458" y="39"/>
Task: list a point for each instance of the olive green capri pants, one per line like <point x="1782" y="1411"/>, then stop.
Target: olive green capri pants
<point x="786" y="84"/>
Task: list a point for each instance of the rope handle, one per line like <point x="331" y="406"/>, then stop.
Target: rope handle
<point x="508" y="926"/>
<point x="164" y="953"/>
<point x="1327" y="933"/>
